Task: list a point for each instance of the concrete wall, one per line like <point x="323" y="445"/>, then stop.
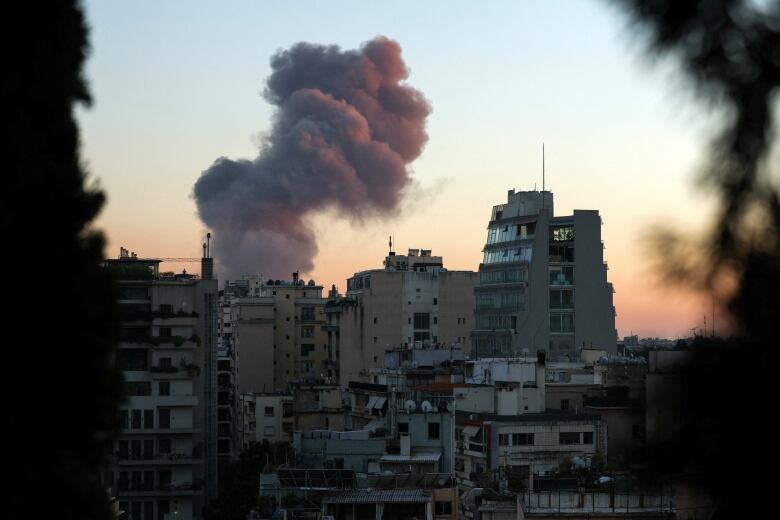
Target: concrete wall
<point x="253" y="333"/>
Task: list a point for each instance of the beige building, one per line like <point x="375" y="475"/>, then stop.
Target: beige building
<point x="279" y="337"/>
<point x="267" y="417"/>
<point x="412" y="299"/>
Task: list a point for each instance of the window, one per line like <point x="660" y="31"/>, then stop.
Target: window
<point x="569" y="438"/>
<point x="403" y="427"/>
<point x="561" y="322"/>
<point x="124" y="450"/>
<point x="269" y="411"/>
<point x="148" y="449"/>
<point x="522" y="439"/>
<point x="148" y="419"/>
<point x="136" y="419"/>
<point x="307" y="331"/>
<point x="166" y="309"/>
<point x="306" y="349"/>
<point x="562" y="275"/>
<point x="135" y="449"/>
<point x="375" y="340"/>
<point x="559" y="253"/>
<point x="503" y="439"/>
<point x="435" y="301"/>
<point x="587" y="437"/>
<point x="561" y="299"/>
<point x="338" y="463"/>
<point x="307" y="314"/>
<point x="164" y="388"/>
<point x="124" y="419"/>
<point x="435" y="320"/>
<point x="375" y="320"/>
<point x="564" y="404"/>
<point x="636" y="431"/>
<point x="164" y="445"/>
<point x="562" y="234"/>
<point x="422" y="320"/>
<point x="131" y="359"/>
<point x="442" y="508"/>
<point x="433" y="430"/>
<point x="165" y="332"/>
<point x="164" y="417"/>
<point x="163" y="509"/>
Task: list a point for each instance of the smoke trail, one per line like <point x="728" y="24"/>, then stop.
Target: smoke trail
<point x="344" y="131"/>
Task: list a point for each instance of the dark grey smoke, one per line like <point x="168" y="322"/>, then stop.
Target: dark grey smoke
<point x="344" y="131"/>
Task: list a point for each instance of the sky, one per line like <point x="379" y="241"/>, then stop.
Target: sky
<point x="176" y="85"/>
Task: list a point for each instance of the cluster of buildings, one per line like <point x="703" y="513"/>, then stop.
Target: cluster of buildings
<point x="419" y="392"/>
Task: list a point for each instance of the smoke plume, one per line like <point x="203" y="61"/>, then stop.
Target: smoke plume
<point x="344" y="131"/>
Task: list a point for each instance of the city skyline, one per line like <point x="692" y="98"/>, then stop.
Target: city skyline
<point x="616" y="140"/>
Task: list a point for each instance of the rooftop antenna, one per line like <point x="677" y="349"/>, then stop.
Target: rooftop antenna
<point x="208" y="245"/>
<point x="543" y="175"/>
<point x="391" y="245"/>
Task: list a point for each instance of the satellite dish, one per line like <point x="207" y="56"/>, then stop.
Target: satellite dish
<point x="426" y="406"/>
<point x="410" y="406"/>
<point x="450" y="407"/>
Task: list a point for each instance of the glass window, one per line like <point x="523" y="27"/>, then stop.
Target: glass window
<point x="561" y="299"/>
<point x="562" y="275"/>
<point x="422" y="320"/>
<point x="561" y="322"/>
<point x="562" y="233"/>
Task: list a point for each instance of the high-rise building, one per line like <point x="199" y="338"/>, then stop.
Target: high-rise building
<point x="412" y="299"/>
<point x="542" y="282"/>
<point x="165" y="457"/>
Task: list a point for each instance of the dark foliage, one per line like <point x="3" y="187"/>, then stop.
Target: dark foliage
<point x="60" y="422"/>
<point x="240" y="482"/>
<point x="729" y="49"/>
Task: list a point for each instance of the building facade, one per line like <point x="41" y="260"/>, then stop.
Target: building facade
<point x="413" y="299"/>
<point x="165" y="457"/>
<point x="542" y="282"/>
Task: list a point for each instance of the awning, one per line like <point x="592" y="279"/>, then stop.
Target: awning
<point x="371" y="402"/>
<point x="380" y="402"/>
<point x="420" y="458"/>
<point x="471" y="431"/>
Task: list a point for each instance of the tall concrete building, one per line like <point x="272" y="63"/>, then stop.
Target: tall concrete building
<point x="542" y="282"/>
<point x="165" y="457"/>
<point x="412" y="299"/>
<point x="278" y="336"/>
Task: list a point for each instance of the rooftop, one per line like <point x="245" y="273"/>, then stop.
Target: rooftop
<point x="380" y="496"/>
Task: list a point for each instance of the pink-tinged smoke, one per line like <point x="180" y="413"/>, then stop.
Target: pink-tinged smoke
<point x="345" y="129"/>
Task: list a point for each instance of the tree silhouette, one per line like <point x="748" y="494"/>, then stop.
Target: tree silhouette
<point x="729" y="51"/>
<point x="60" y="416"/>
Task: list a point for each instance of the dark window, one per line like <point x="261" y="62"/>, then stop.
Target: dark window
<point x="124" y="450"/>
<point x="422" y="320"/>
<point x="164" y="418"/>
<point x="166" y="332"/>
<point x="442" y="508"/>
<point x="307" y="313"/>
<point x="166" y="309"/>
<point x="569" y="438"/>
<point x="435" y="301"/>
<point x="435" y="320"/>
<point x="503" y="439"/>
<point x="564" y="404"/>
<point x="306" y="349"/>
<point x="165" y="388"/>
<point x="433" y="430"/>
<point x="522" y="439"/>
<point x="148" y="419"/>
<point x="148" y="449"/>
<point x="269" y="411"/>
<point x="165" y="445"/>
<point x="163" y="509"/>
<point x="135" y="449"/>
<point x="124" y="419"/>
<point x="587" y="438"/>
<point x="148" y="509"/>
<point x="374" y="320"/>
<point x="338" y="463"/>
<point x="422" y="336"/>
<point x="403" y="427"/>
<point x="136" y="419"/>
<point x="636" y="431"/>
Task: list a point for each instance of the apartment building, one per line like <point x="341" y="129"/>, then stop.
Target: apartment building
<point x="542" y="282"/>
<point x="164" y="461"/>
<point x="412" y="300"/>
